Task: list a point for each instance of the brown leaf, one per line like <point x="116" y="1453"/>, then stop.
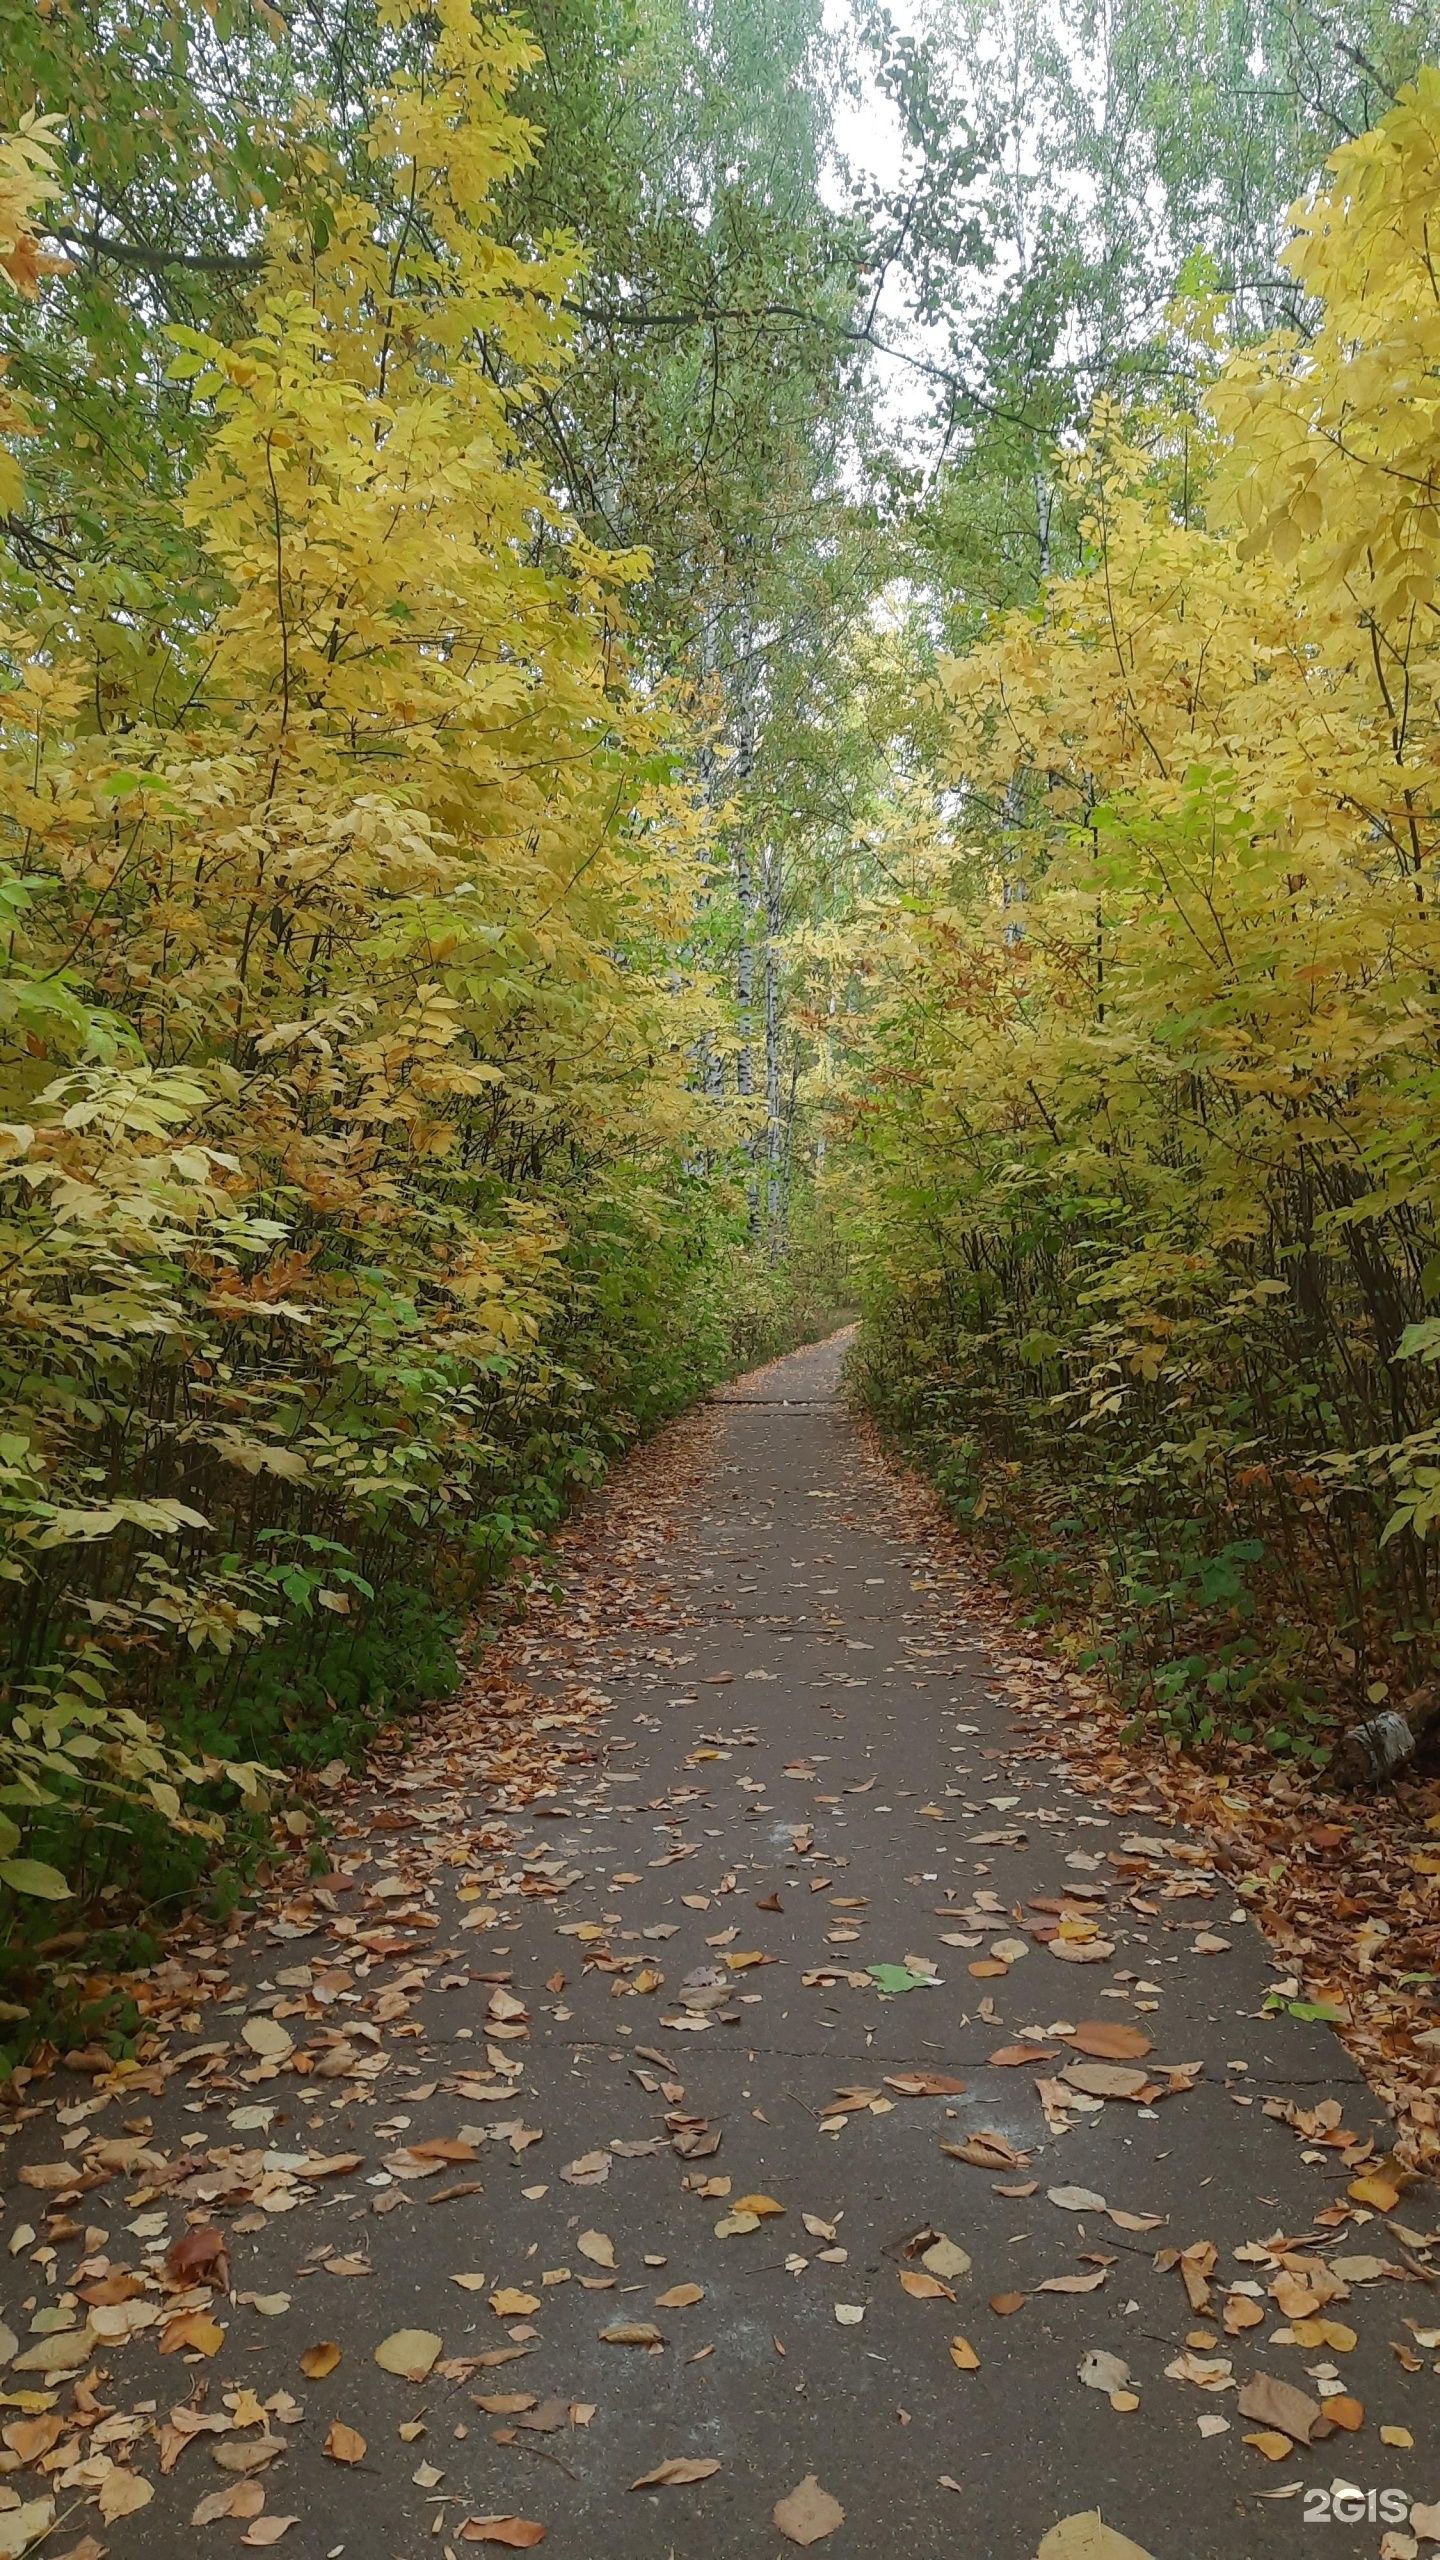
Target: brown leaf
<point x="678" y="2473"/>
<point x="1109" y="2040"/>
<point x="809" y="2513"/>
<point x="631" y="2333"/>
<point x="1012" y="2057"/>
<point x="196" y="2255"/>
<point x="1273" y="2403"/>
<point x="319" y="2360"/>
<point x="679" y="2297"/>
<point x="546" y="2418"/>
<point x="345" y="2444"/>
<point x="1241" y="2313"/>
<point x="924" y="2084"/>
<point x="30" y="2437"/>
<point x="987" y="2151"/>
<point x="268" y="2529"/>
<point x="1005" y="2303"/>
<point x="1107" y="2079"/>
<point x="516" y="2532"/>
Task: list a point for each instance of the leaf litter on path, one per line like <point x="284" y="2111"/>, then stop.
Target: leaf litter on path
<point x="390" y="1881"/>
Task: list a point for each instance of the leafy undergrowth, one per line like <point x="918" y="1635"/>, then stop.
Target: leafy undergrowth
<point x="1346" y="1887"/>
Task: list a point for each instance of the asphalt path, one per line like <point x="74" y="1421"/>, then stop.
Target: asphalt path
<point x="818" y="1768"/>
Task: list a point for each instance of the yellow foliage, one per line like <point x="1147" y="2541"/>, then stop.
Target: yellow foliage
<point x="342" y="932"/>
<point x="1154" y="1122"/>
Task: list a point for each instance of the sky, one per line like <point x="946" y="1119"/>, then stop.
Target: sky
<point x="868" y="136"/>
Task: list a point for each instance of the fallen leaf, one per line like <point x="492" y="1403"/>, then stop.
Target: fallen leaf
<point x="678" y="2473"/>
<point x="849" y="2314"/>
<point x="28" y="2438"/>
<point x="1325" y="2333"/>
<point x="963" y="2355"/>
<point x="345" y="2444"/>
<point x="24" y="2525"/>
<point x="944" y="2258"/>
<point x="679" y="2297"/>
<point x="412" y="2352"/>
<point x="1109" y="2040"/>
<point x="987" y="2151"/>
<point x="319" y="2360"/>
<point x="267" y="2037"/>
<point x="268" y="2529"/>
<point x="123" y="2493"/>
<point x="193" y="2330"/>
<point x="517" y="2533"/>
<point x="1099" y="2370"/>
<point x="1086" y="2538"/>
<point x="760" y="2206"/>
<point x="1276" y="2404"/>
<point x="510" y="2303"/>
<point x="1376" y="2191"/>
<point x="1004" y="2303"/>
<point x="1076" y="2199"/>
<point x="590" y="2170"/>
<point x="597" y="2248"/>
<point x="1270" y="2442"/>
<point x="923" y="2288"/>
<point x="808" y="2514"/>
<point x="1240" y="2314"/>
<point x="246" y="2498"/>
<point x="195" y="2254"/>
<point x="631" y="2333"/>
<point x="897" y="1977"/>
<point x="1106" y="2079"/>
